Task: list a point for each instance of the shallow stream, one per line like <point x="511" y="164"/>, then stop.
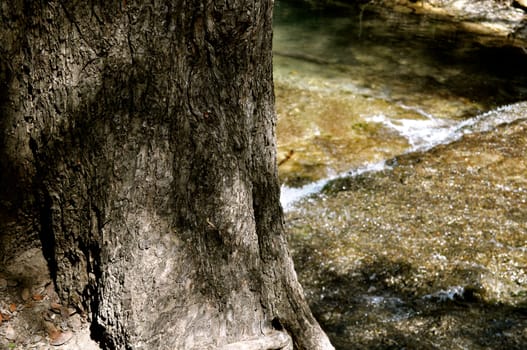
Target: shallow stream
<point x="428" y="250"/>
<point x="355" y="87"/>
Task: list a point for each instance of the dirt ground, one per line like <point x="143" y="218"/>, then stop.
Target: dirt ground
<point x="31" y="316"/>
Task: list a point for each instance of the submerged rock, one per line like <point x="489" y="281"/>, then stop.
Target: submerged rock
<point x="491" y="20"/>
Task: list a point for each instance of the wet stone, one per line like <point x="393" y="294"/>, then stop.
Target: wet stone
<point x="10" y="333"/>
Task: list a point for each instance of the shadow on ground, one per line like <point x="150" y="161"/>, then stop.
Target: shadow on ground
<point x="363" y="310"/>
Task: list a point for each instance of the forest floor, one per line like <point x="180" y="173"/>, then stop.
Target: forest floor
<point x="31" y="315"/>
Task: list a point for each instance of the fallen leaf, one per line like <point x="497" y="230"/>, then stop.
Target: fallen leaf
<point x="55" y="306"/>
<point x="48" y="316"/>
<point x="5" y="317"/>
<point x="38" y="297"/>
<point x="60" y="338"/>
<point x="66" y="312"/>
<point x="51" y="329"/>
<point x="12" y="307"/>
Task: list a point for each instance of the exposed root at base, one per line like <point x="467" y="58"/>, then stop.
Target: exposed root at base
<point x="272" y="341"/>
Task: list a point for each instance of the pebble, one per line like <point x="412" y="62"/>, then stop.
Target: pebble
<point x="25" y="294"/>
<point x="10" y="333"/>
<point x="75" y="322"/>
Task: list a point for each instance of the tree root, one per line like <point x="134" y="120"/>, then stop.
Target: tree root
<point x="272" y="341"/>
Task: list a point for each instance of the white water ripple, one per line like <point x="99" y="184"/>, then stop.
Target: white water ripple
<point x="422" y="135"/>
<point x="290" y="195"/>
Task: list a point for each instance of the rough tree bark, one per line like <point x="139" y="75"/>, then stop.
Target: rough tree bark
<point x="146" y="131"/>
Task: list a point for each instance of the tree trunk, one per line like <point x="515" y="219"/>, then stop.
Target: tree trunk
<point x="147" y="134"/>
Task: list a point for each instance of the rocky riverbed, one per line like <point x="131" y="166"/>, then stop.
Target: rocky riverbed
<point x="429" y="254"/>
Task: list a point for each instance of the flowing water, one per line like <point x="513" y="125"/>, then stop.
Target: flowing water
<point x="414" y="235"/>
<point x="355" y="88"/>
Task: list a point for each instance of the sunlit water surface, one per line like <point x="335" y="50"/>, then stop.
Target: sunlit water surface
<point x="355" y="89"/>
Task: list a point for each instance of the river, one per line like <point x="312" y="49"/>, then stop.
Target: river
<point x="403" y="165"/>
<point x="355" y="89"/>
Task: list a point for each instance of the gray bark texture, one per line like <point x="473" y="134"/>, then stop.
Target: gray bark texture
<point x="140" y="136"/>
